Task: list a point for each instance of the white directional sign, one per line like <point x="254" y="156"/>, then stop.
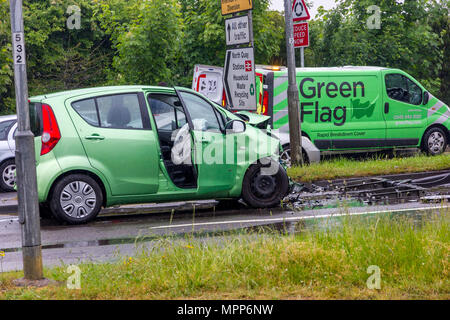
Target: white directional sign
<point x="237" y="30"/>
<point x="239" y="79"/>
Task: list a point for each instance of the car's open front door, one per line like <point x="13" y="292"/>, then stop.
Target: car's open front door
<point x="211" y="156"/>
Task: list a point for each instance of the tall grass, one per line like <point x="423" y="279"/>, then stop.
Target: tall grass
<point x="344" y="167"/>
<point x="323" y="263"/>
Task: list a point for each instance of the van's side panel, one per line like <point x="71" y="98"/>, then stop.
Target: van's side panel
<point x="340" y="110"/>
<point x="353" y="113"/>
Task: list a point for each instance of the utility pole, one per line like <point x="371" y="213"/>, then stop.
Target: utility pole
<point x="293" y="97"/>
<point x="25" y="157"/>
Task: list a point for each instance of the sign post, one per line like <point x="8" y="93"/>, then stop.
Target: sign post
<point x="239" y="73"/>
<point x="239" y="76"/>
<point x="300" y="13"/>
<point x="237" y="30"/>
<point x="25" y="157"/>
<point x="293" y="97"/>
<point x="235" y="6"/>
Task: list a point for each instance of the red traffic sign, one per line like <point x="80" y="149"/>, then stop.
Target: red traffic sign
<point x="300" y="11"/>
<point x="301" y="35"/>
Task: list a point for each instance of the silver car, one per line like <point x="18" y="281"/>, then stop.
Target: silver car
<point x="8" y="126"/>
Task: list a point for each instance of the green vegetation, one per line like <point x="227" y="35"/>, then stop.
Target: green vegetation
<point x="346" y="168"/>
<point x="321" y="262"/>
<point x="147" y="41"/>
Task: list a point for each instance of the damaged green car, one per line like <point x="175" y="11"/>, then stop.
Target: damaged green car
<point x="108" y="146"/>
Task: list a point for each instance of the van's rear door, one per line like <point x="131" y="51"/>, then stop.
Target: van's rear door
<point x="208" y="81"/>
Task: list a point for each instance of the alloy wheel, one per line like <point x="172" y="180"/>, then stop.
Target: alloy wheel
<point x="436" y="142"/>
<point x="9" y="175"/>
<point x="78" y="199"/>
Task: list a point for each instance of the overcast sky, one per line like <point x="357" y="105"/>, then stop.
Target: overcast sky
<point x="327" y="4"/>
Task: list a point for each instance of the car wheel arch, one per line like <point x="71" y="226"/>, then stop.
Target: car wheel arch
<point x="91" y="174"/>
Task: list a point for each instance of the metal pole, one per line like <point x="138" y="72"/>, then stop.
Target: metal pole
<point x="25" y="158"/>
<point x="293" y="97"/>
<point x="250" y="27"/>
<point x="302" y="57"/>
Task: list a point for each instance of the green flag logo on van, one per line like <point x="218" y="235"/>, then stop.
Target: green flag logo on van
<point x="362" y="109"/>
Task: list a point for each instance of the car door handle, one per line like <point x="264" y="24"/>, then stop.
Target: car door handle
<point x="95" y="137"/>
<point x="386" y="107"/>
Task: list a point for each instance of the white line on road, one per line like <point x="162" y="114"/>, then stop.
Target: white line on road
<point x="283" y="219"/>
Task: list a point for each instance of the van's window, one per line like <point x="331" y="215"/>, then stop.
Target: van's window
<point x="87" y="110"/>
<point x="167" y="111"/>
<point x="4" y="129"/>
<point x="36" y="119"/>
<point x="120" y="111"/>
<point x="401" y="88"/>
<point x="202" y="111"/>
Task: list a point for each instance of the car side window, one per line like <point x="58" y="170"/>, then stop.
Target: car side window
<point x="120" y="111"/>
<point x="167" y="111"/>
<point x="87" y="110"/>
<point x="202" y="113"/>
<point x="4" y="129"/>
<point x="399" y="87"/>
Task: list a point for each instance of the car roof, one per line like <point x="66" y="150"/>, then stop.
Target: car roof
<point x="8" y="117"/>
<point x="325" y="69"/>
<point x="108" y="89"/>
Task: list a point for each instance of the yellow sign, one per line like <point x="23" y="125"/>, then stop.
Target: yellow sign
<point x="233" y="6"/>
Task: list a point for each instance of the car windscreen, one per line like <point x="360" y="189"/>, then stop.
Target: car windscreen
<point x="36" y="119"/>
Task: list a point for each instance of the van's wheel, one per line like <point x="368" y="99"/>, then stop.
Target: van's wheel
<point x="434" y="141"/>
<point x="8" y="175"/>
<point x="76" y="199"/>
<point x="264" y="189"/>
<point x="286" y="156"/>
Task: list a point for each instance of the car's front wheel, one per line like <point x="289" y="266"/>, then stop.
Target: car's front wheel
<point x="8" y="175"/>
<point x="76" y="199"/>
<point x="265" y="186"/>
<point x="434" y="141"/>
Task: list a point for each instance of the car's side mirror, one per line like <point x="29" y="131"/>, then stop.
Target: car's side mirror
<point x="235" y="126"/>
<point x="426" y="98"/>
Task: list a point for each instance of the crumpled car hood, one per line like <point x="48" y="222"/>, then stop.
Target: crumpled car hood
<point x="253" y="118"/>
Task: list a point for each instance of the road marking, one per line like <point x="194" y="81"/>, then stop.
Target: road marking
<point x="293" y="219"/>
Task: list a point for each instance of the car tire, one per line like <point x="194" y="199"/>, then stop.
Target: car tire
<point x="76" y="199"/>
<point x="7" y="175"/>
<point x="261" y="190"/>
<point x="44" y="211"/>
<point x="434" y="141"/>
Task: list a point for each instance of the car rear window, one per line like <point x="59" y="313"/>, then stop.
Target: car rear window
<point x="4" y="129"/>
<point x="36" y="119"/>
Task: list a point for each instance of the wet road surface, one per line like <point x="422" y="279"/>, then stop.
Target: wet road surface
<point x="113" y="236"/>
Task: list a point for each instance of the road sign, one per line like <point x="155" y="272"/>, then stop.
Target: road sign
<point x="237" y="30"/>
<point x="233" y="6"/>
<point x="300" y="11"/>
<point x="239" y="79"/>
<point x="301" y="35"/>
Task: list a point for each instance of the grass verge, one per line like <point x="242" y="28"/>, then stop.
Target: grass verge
<point x="344" y="167"/>
<point x="315" y="264"/>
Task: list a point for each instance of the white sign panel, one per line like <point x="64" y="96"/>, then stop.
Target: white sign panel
<point x="208" y="81"/>
<point x="237" y="30"/>
<point x="239" y="79"/>
<point x="19" y="48"/>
